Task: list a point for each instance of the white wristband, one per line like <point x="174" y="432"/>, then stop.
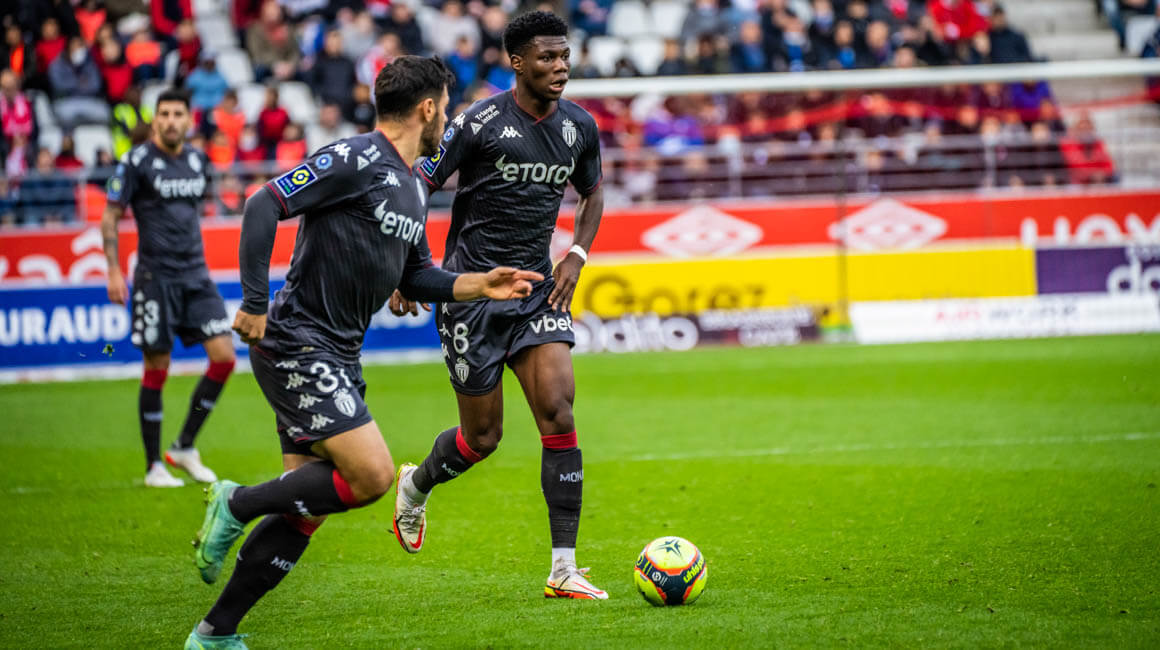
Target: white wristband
<point x="579" y="251"/>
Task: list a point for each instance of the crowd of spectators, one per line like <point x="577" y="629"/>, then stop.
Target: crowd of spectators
<point x="92" y="59"/>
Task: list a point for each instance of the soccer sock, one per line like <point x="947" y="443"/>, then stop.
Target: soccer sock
<point x="311" y="490"/>
<point x="562" y="479"/>
<point x="269" y="553"/>
<point x="450" y="456"/>
<point x="149" y="412"/>
<point x="202" y="401"/>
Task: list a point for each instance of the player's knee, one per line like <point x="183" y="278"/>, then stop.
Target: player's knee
<point x="373" y="482"/>
<point x="486" y="440"/>
<point x="556" y="417"/>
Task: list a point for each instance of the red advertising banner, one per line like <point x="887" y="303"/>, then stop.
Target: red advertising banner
<point x="722" y="229"/>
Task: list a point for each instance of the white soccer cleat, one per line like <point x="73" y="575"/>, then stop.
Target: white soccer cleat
<point x="566" y="581"/>
<point x="159" y="477"/>
<point x="190" y="461"/>
<point x="410" y="523"/>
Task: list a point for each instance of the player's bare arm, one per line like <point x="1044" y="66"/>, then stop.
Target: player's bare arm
<point x="118" y="291"/>
<point x="567" y="272"/>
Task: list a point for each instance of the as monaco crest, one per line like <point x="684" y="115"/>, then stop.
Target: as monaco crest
<point x="569" y="132"/>
<point x="344" y="402"/>
<point x="462" y="369"/>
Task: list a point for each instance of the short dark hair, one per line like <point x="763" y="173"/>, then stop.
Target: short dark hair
<point x="173" y="95"/>
<point x="519" y="33"/>
<point x="408" y="80"/>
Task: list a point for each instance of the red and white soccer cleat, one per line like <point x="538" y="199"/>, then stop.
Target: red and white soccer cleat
<point x="566" y="581"/>
<point x="410" y="523"/>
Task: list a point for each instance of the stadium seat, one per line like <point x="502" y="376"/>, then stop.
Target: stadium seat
<point x="216" y="33"/>
<point x="235" y="66"/>
<point x="89" y="138"/>
<point x="647" y="53"/>
<point x="629" y="19"/>
<point x="42" y="109"/>
<point x="50" y="138"/>
<point x="1138" y="30"/>
<point x="603" y="51"/>
<point x="151" y="91"/>
<point x="208" y="7"/>
<point x="667" y="17"/>
<point x="251" y="97"/>
<point x="297" y="99"/>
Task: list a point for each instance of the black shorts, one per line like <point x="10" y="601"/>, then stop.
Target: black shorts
<point x="479" y="337"/>
<point x="315" y="396"/>
<point x="165" y="307"/>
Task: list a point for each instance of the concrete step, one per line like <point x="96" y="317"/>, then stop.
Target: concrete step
<point x="1076" y="46"/>
<point x="1049" y="17"/>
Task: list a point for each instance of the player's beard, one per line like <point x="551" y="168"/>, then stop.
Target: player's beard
<point x="429" y="139"/>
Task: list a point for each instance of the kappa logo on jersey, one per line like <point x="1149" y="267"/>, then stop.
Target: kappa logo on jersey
<point x="391" y="180"/>
<point x="342" y="150"/>
<point x="158" y="164"/>
<point x="510" y="132"/>
<point x="306" y="400"/>
<point x="431" y="164"/>
<point x="569" y="132"/>
<point x="458" y="121"/>
<point x="194" y="162"/>
<point x="295" y="179"/>
<point x="344" y="402"/>
<point x="318" y="421"/>
<point x="138" y="155"/>
<point x="534" y="172"/>
<point x="399" y="225"/>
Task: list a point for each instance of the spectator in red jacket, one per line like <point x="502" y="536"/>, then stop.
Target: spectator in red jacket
<point x="188" y="47"/>
<point x="1087" y="158"/>
<point x="272" y="122"/>
<point x="67" y="159"/>
<point x="292" y="149"/>
<point x="956" y="19"/>
<point x="115" y="70"/>
<point x="51" y="44"/>
<point x="167" y="14"/>
<point x="15" y="109"/>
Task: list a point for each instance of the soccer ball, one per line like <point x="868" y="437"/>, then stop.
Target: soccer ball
<point x="670" y="571"/>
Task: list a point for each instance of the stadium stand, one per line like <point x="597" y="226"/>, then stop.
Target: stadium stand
<point x="68" y="67"/>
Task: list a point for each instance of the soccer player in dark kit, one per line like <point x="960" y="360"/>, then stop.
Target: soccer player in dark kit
<point x="514" y="152"/>
<point x="164" y="180"/>
<point x="361" y="236"/>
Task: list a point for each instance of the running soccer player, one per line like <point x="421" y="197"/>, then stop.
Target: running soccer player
<point x="163" y="181"/>
<point x="514" y="152"/>
<point x="362" y="235"/>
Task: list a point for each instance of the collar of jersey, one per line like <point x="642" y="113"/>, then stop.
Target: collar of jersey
<point x="395" y="149"/>
<point x="516" y="101"/>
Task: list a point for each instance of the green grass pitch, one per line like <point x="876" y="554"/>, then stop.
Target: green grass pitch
<point x="951" y="495"/>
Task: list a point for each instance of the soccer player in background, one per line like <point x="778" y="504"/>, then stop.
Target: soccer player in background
<point x="361" y="236"/>
<point x="515" y="152"/>
<point x="164" y="181"/>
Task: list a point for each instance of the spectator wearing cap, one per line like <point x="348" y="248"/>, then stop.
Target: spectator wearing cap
<point x="206" y="84"/>
<point x="272" y="45"/>
<point x="1007" y="45"/>
<point x="130" y="119"/>
<point x="401" y="22"/>
<point x="77" y="87"/>
<point x="332" y="75"/>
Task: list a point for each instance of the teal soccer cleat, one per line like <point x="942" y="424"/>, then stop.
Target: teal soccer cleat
<point x="218" y="533"/>
<point x="197" y="641"/>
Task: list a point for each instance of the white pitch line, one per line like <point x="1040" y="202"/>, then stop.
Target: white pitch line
<point x="896" y="446"/>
